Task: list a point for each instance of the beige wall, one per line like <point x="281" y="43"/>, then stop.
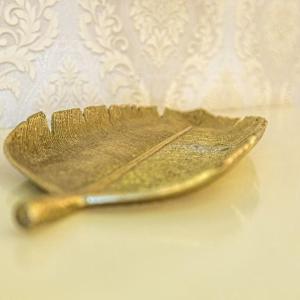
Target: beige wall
<point x="184" y="54"/>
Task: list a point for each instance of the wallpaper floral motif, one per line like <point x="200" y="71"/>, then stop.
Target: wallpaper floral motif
<point x="67" y="88"/>
<point x="57" y="54"/>
<point x="100" y="29"/>
<point x="160" y="25"/>
<point x="267" y="44"/>
<point x="22" y="38"/>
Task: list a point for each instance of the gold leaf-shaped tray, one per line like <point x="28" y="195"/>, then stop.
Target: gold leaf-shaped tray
<point x="123" y="154"/>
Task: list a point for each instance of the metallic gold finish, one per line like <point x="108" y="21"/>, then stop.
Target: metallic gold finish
<point x="33" y="212"/>
<point x="123" y="154"/>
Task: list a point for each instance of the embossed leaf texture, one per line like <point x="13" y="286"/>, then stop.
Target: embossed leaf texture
<point x="123" y="154"/>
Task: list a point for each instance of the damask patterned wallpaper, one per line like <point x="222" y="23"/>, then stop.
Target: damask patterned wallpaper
<point x="56" y="54"/>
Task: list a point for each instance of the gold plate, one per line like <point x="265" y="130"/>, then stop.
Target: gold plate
<point x="123" y="154"/>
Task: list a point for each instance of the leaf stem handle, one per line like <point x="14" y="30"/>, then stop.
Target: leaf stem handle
<point x="39" y="211"/>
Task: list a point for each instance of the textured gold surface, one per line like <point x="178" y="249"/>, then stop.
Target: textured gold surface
<point x="123" y="154"/>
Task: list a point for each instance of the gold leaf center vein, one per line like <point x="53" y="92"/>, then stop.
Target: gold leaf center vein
<point x="115" y="175"/>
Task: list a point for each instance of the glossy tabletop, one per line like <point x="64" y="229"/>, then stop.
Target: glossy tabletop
<point x="238" y="238"/>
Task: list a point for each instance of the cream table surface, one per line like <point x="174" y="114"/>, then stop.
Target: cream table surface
<point x="238" y="238"/>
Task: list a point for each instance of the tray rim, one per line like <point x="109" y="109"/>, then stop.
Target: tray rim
<point x="197" y="181"/>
